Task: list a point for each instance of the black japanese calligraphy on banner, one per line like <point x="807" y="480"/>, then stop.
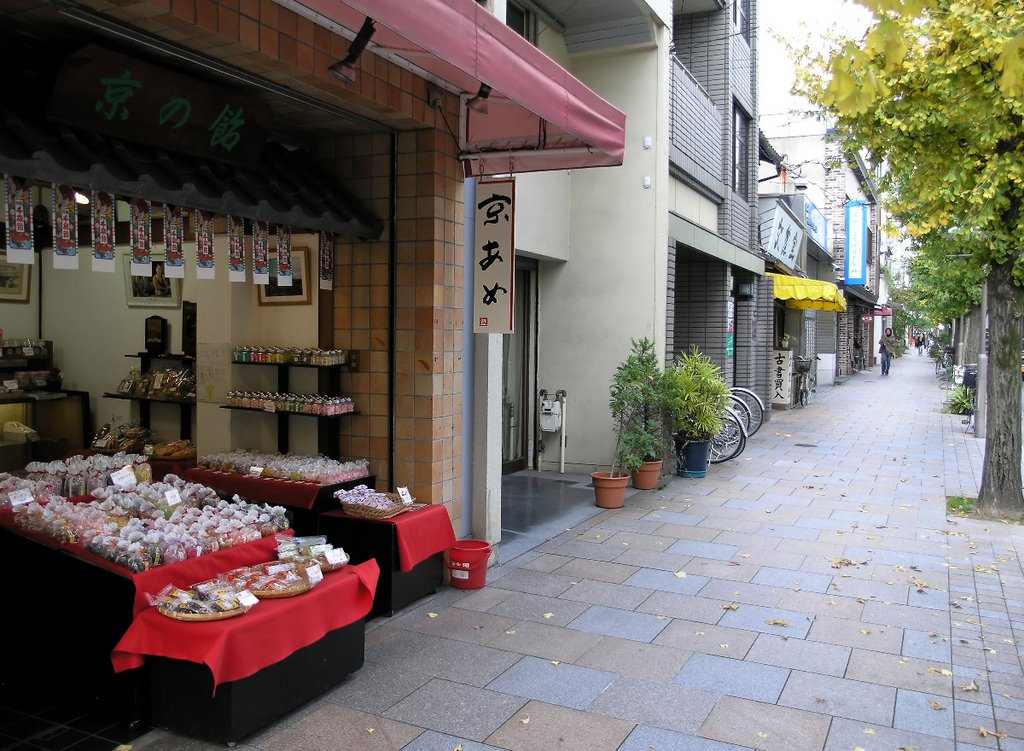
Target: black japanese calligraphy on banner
<point x="782" y="376"/>
<point x="494" y="257"/>
<point x="108" y="92"/>
<point x="65" y="227"/>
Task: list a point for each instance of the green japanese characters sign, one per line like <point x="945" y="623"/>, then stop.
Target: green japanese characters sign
<point x="108" y="92"/>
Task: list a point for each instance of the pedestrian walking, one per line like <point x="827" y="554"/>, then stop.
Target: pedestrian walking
<point x="919" y="343"/>
<point x="887" y="348"/>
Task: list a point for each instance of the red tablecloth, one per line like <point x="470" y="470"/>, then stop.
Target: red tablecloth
<point x="239" y="647"/>
<point x="280" y="492"/>
<point x="420" y="533"/>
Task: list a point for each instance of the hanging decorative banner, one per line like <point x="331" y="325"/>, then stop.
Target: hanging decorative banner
<point x="142" y="237"/>
<point x="204" y="245"/>
<point x="327" y="260"/>
<point x="104" y="216"/>
<point x="260" y="253"/>
<point x="174" y="242"/>
<point x="19" y="220"/>
<point x="65" y="227"/>
<point x="236" y="248"/>
<point x="283" y="274"/>
<point x="495" y="257"/>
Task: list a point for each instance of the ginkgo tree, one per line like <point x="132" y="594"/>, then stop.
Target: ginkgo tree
<point x="935" y="90"/>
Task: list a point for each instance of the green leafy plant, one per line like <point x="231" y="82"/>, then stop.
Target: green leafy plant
<point x="960" y="505"/>
<point x="961" y="400"/>
<point x="696" y="396"/>
<point x="637" y="406"/>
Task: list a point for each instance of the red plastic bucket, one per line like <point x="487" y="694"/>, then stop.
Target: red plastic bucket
<point x="467" y="563"/>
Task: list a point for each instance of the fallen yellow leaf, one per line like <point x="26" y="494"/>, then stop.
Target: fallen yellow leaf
<point x="432" y="615"/>
<point x="869" y="731"/>
<point x="370" y="731"/>
<point x="724" y="646"/>
<point x="556" y="663"/>
<point x="732" y="606"/>
<point x="984" y="732"/>
<point x="941" y="671"/>
<point x="776" y="622"/>
<point x="680" y="574"/>
<point x="936" y="706"/>
<point x="526" y="720"/>
<point x="761" y="734"/>
<point x="549" y="615"/>
<point x="510" y="631"/>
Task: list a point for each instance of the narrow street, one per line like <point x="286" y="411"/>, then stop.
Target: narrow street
<point x="809" y="595"/>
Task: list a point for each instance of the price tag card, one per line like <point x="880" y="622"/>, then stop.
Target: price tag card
<point x="256" y="471"/>
<point x="29" y="351"/>
<point x="173" y="497"/>
<point x="11" y="384"/>
<point x="279" y="568"/>
<point x="314" y="573"/>
<point x="336" y="556"/>
<point x="403" y="493"/>
<point x="148" y="449"/>
<point x="19" y="497"/>
<point x="247" y="599"/>
<point x="319" y="549"/>
<point x="124" y="477"/>
<point x="102" y="443"/>
<point x="269" y="406"/>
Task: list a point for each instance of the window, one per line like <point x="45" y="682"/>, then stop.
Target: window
<point x="740" y="151"/>
<point x="522" y="21"/>
<point x="740" y="17"/>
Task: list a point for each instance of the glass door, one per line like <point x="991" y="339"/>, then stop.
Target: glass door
<point x="515" y="403"/>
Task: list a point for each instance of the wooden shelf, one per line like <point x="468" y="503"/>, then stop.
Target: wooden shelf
<point x="287" y="413"/>
<point x="130" y="397"/>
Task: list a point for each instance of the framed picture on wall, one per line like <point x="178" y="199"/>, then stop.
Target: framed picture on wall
<point x="298" y="293"/>
<point x="15" y="280"/>
<point x="156" y="291"/>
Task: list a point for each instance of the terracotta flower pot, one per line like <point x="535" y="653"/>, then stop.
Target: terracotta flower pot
<point x="646" y="478"/>
<point x="609" y="490"/>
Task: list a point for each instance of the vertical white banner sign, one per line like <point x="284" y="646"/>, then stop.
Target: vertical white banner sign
<point x="494" y="268"/>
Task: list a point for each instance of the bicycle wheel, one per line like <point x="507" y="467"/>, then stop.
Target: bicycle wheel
<point x="742" y="411"/>
<point x="754" y="405"/>
<point x="730" y="441"/>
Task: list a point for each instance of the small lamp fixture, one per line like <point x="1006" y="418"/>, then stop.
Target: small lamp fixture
<point x="345" y="70"/>
<point x="745" y="291"/>
<point x="479" y="102"/>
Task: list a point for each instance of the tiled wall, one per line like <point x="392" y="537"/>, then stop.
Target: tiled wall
<point x="702" y="290"/>
<point x="695" y="128"/>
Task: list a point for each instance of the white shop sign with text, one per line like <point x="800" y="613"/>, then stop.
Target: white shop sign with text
<point x="494" y="257"/>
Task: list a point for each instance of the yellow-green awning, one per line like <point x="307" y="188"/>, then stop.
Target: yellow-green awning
<point x="808" y="294"/>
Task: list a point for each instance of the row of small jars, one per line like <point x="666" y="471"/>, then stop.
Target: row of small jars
<point x="307" y="404"/>
<point x="289" y="356"/>
<point x="23" y="347"/>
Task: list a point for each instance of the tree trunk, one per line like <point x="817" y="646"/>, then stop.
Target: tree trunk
<point x="972" y="324"/>
<point x="1000" y="494"/>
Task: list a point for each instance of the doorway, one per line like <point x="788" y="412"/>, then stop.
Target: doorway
<point x="517" y="376"/>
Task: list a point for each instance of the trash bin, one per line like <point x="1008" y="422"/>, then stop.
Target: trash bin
<point x="467" y="563"/>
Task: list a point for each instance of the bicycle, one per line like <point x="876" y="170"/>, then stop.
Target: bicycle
<point x="749" y="407"/>
<point x="806" y="381"/>
<point x="731" y="439"/>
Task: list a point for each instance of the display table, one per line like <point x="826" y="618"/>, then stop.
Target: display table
<point x="306" y="500"/>
<point x="161" y="467"/>
<point x="409" y="548"/>
<point x="223" y="680"/>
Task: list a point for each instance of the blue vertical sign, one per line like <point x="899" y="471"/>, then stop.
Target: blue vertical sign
<point x="856" y="242"/>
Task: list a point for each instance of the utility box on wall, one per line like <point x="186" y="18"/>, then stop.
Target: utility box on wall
<point x="550" y="415"/>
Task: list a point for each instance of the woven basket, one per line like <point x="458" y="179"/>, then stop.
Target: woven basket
<point x="200" y="617"/>
<point x="280" y="594"/>
<point x="394" y="507"/>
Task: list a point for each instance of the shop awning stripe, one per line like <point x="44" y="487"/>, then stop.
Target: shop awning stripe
<point x="808" y="294"/>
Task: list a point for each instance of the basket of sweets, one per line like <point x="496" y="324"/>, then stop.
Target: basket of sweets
<point x="361" y="501"/>
<point x="210" y="601"/>
<point x="313" y="549"/>
<point x="276" y="579"/>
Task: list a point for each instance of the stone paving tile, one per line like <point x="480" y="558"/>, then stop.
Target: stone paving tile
<point x="644" y="738"/>
<point x="899" y="672"/>
<point x="555" y="611"/>
<point x="679" y="532"/>
<point x="768" y="620"/>
<point x="607" y="621"/>
<point x="920" y="619"/>
<point x="839" y="697"/>
<point x="634" y="658"/>
<point x="534" y="582"/>
<point x="683" y="606"/>
<point x="412" y="654"/>
<point x="542" y="640"/>
<point x="655" y="703"/>
<point x="605" y="593"/>
<point x="800" y="654"/>
<point x="834" y="606"/>
<point x="799" y="580"/>
<point x="856" y="634"/>
<point x="651" y="559"/>
<point x="765" y="726"/>
<point x="562" y="684"/>
<point x="334" y="728"/>
<point x="464" y="625"/>
<point x="681" y="518"/>
<point x="605" y="571"/>
<point x="709" y="550"/>
<point x="484" y="599"/>
<point x="547" y="563"/>
<point x="666" y="581"/>
<point x="845" y="735"/>
<point x="704" y="638"/>
<point x="751" y="594"/>
<point x="542" y="727"/>
<point x="728" y="570"/>
<point x="593" y="551"/>
<point x="721" y="675"/>
<point x="924" y="713"/>
<point x="926" y="645"/>
<point x="453" y="708"/>
<point x="434" y="741"/>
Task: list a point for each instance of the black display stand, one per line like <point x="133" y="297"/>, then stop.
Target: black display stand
<point x="364" y="539"/>
<point x="185" y="406"/>
<point x="184" y="701"/>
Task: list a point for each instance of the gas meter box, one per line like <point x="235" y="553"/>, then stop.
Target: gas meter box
<point x="550" y="416"/>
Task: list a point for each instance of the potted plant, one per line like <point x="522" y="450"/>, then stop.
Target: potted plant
<point x="696" y="398"/>
<point x="637" y="407"/>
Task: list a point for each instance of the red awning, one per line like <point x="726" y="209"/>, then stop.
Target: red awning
<point x="539" y="116"/>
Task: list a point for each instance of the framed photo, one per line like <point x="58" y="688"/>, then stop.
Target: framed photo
<point x="298" y="293"/>
<point x="15" y="280"/>
<point x="156" y="291"/>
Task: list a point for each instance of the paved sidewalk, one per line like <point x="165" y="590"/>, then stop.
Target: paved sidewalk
<point x="810" y="594"/>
